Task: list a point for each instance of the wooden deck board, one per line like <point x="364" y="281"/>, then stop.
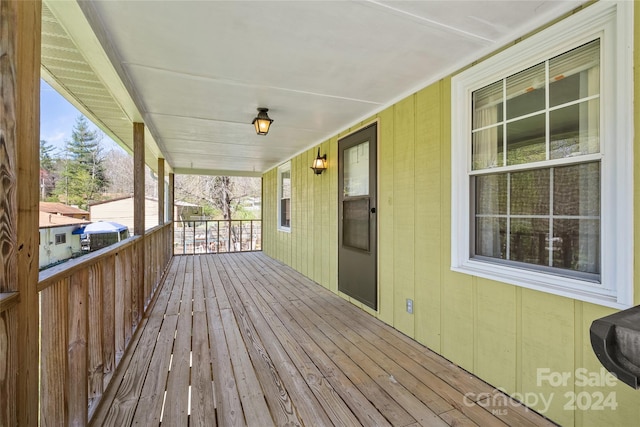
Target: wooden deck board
<point x="202" y="403"/>
<point x="176" y="408"/>
<point x="252" y="397"/>
<point x="264" y="343"/>
<point x="240" y="339"/>
<point x="302" y="376"/>
<point x="362" y="408"/>
<point x="227" y="399"/>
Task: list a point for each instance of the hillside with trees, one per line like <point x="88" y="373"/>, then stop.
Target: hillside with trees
<point x="83" y="172"/>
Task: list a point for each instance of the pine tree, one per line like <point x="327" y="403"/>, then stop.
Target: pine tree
<point x="83" y="176"/>
<point x="47" y="169"/>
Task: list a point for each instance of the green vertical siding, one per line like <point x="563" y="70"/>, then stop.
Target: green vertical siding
<point x="427" y="207"/>
<point x="386" y="235"/>
<point x="548" y="328"/>
<point x="404" y="208"/>
<point x="500" y="332"/>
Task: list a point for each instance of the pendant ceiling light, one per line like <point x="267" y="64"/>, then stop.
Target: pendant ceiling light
<point x="262" y="122"/>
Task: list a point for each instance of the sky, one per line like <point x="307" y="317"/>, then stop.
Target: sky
<point x="57" y="117"/>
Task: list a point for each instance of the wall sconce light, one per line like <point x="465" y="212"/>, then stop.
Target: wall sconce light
<point x="262" y="122"/>
<point x="319" y="164"/>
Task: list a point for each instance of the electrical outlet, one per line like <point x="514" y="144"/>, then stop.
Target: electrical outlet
<point x="409" y="306"/>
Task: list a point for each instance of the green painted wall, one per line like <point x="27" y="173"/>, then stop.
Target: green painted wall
<point x="501" y="333"/>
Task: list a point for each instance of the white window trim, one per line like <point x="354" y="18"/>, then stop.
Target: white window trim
<point x="281" y="169"/>
<point x="63" y="238"/>
<point x="613" y="23"/>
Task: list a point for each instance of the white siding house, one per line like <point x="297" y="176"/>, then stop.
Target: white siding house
<point x="57" y="241"/>
<point x="121" y="211"/>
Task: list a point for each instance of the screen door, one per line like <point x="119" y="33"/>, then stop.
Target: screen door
<point x="357" y="225"/>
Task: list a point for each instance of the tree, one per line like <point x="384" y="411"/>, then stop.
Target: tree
<point x="119" y="169"/>
<point x="83" y="176"/>
<point x="46" y="157"/>
<point x="223" y="193"/>
<point x="119" y="173"/>
<point x="47" y="169"/>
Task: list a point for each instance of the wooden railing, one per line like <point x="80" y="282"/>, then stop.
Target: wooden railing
<point x="90" y="308"/>
<point x="215" y="236"/>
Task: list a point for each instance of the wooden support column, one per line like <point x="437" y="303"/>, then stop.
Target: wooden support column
<point x="138" y="179"/>
<point x="161" y="201"/>
<point x="20" y="28"/>
<point x="138" y="221"/>
<point x="171" y="201"/>
<point x="171" y="211"/>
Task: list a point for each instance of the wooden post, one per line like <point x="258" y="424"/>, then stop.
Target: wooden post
<point x="171" y="214"/>
<point x="138" y="221"/>
<point x="172" y="209"/>
<point x="138" y="179"/>
<point x="171" y="200"/>
<point x="161" y="202"/>
<point x="20" y="28"/>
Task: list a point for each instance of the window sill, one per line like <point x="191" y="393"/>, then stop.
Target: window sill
<point x="543" y="282"/>
<point x="284" y="229"/>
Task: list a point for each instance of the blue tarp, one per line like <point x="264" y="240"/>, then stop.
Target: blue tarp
<point x="102" y="227"/>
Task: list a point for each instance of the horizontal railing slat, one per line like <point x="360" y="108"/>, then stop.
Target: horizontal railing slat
<point x="8" y="300"/>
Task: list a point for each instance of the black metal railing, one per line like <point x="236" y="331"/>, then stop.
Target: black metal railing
<point x="216" y="236"/>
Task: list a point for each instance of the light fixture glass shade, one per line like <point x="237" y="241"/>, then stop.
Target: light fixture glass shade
<point x="319" y="164"/>
<point x="262" y="122"/>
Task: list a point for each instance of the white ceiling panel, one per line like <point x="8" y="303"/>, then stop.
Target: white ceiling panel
<point x="197" y="70"/>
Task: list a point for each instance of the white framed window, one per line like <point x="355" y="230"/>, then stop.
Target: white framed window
<point x="542" y="160"/>
<point x="284" y="197"/>
<point x="61" y="238"/>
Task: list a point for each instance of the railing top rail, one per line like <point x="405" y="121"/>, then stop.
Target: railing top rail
<point x="8" y="300"/>
<point x="216" y="220"/>
<point x="157" y="228"/>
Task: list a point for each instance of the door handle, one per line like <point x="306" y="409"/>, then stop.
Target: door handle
<point x="373" y="210"/>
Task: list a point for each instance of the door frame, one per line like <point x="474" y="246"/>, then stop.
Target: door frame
<point x="363" y="125"/>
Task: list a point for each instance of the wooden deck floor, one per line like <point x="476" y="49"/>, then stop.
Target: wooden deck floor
<point x="241" y="339"/>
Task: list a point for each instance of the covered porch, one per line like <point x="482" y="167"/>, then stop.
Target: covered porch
<point x="133" y="334"/>
<point x="241" y="339"/>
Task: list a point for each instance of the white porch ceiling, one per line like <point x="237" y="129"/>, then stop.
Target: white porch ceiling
<point x="195" y="71"/>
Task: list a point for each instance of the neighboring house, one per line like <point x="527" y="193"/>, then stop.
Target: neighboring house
<point x="185" y="211"/>
<point x="59" y="238"/>
<point x="57" y="208"/>
<point x="253" y="204"/>
<point x="120" y="210"/>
